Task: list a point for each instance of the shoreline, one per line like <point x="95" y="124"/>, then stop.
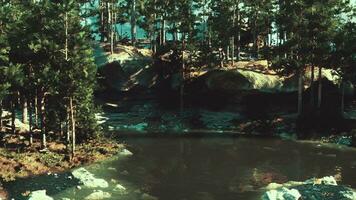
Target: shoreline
<point x="18" y="160"/>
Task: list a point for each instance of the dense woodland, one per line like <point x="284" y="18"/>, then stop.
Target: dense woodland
<point x="47" y="65"/>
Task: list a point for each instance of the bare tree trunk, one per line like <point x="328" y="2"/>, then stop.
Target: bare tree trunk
<point x="163" y="31"/>
<point x="238" y="36"/>
<point x="68" y="127"/>
<point x="1" y="115"/>
<point x="72" y="119"/>
<point x="41" y="108"/>
<point x="320" y="88"/>
<point x="36" y="109"/>
<point x="24" y="110"/>
<point x="66" y="35"/>
<point x="233" y="39"/>
<point x="300" y="93"/>
<point x="30" y="122"/>
<point x="111" y="24"/>
<point x="13" y="115"/>
<point x="342" y="106"/>
<point x="183" y="77"/>
<point x="102" y="24"/>
<point x="312" y="101"/>
<point x="133" y="22"/>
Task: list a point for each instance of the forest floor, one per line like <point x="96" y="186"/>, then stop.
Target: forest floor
<point x="19" y="160"/>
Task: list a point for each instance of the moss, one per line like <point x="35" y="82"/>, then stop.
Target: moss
<point x="30" y="161"/>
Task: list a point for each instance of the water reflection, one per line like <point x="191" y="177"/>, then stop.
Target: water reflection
<point x="208" y="168"/>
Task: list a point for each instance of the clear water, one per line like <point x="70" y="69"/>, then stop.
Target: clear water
<point x="177" y="168"/>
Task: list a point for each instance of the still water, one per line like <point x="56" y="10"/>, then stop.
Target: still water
<point x="215" y="168"/>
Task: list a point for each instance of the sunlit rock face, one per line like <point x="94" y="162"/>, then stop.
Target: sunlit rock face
<point x="236" y="80"/>
<point x="126" y="69"/>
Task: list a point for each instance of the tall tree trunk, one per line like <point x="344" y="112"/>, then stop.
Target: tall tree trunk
<point x="13" y="115"/>
<point x="36" y="109"/>
<point x="68" y="129"/>
<point x="238" y="34"/>
<point x="0" y="115"/>
<point x="72" y="119"/>
<point x="300" y="92"/>
<point x="111" y="28"/>
<point x="233" y="50"/>
<point x="320" y="88"/>
<point x="133" y="22"/>
<point x="284" y="41"/>
<point x="30" y="122"/>
<point x="163" y="31"/>
<point x="66" y="36"/>
<point x="312" y="77"/>
<point x="102" y="23"/>
<point x="24" y="110"/>
<point x="233" y="39"/>
<point x="342" y="106"/>
<point x="42" y="111"/>
<point x="183" y="77"/>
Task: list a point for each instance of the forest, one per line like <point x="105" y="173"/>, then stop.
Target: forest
<point x="265" y="68"/>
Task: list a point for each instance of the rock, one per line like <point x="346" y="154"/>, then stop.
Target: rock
<point x="328" y="180"/>
<point x="325" y="192"/>
<point x="125" y="152"/>
<point x="88" y="179"/>
<point x="119" y="188"/>
<point x="146" y="196"/>
<point x="282" y="194"/>
<point x="325" y="188"/>
<point x="97" y="195"/>
<point x="348" y="194"/>
<point x="273" y="186"/>
<point x="39" y="195"/>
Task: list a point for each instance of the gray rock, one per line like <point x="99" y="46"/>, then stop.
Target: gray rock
<point x="125" y="152"/>
<point x="325" y="188"/>
<point x="146" y="196"/>
<point x="97" y="195"/>
<point x="39" y="195"/>
<point x="88" y="179"/>
<point x="282" y="194"/>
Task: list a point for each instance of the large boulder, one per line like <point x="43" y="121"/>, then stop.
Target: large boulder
<point x="88" y="179"/>
<point x="39" y="195"/>
<point x="127" y="68"/>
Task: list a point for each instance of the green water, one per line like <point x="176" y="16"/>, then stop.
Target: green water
<point x="178" y="168"/>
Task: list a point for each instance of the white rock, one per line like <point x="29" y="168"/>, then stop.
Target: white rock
<point x="146" y="196"/>
<point x="88" y="179"/>
<point x="119" y="187"/>
<point x="39" y="195"/>
<point x="349" y="194"/>
<point x="126" y="152"/>
<point x="97" y="195"/>
<point x="273" y="186"/>
<point x="328" y="180"/>
<point x="282" y="194"/>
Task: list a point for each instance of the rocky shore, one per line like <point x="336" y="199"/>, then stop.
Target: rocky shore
<point x="325" y="188"/>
